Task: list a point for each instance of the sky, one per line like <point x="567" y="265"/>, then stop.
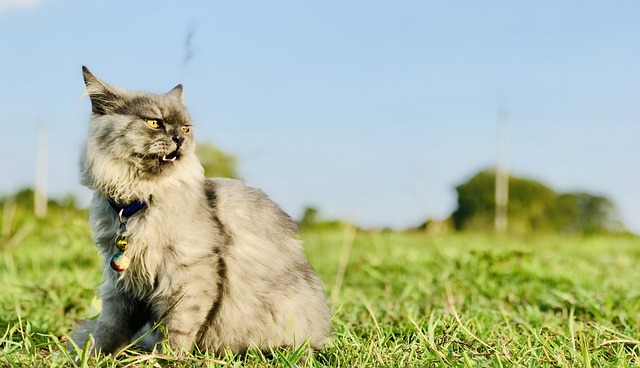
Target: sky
<point x="372" y="111"/>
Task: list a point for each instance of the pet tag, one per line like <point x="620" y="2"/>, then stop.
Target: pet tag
<point x="120" y="262"/>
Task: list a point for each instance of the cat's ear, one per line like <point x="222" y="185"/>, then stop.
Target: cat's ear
<point x="103" y="97"/>
<point x="177" y="92"/>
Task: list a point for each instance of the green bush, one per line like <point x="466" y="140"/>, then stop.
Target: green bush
<point x="533" y="207"/>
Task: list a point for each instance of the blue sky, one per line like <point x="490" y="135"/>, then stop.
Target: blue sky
<point x="370" y="110"/>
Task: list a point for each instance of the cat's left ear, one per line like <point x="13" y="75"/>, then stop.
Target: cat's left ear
<point x="177" y="92"/>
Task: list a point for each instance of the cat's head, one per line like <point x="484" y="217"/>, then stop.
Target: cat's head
<point x="136" y="139"/>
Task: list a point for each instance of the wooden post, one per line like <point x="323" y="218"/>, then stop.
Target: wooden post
<point x="40" y="192"/>
<point x="502" y="174"/>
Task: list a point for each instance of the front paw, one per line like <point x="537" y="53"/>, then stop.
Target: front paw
<point x="81" y="336"/>
<point x="110" y="340"/>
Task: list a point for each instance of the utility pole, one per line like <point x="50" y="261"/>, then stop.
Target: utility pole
<point x="40" y="192"/>
<point x="502" y="173"/>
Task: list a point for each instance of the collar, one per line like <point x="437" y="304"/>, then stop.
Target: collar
<point x="127" y="210"/>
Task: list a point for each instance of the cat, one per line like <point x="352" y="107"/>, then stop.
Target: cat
<point x="217" y="264"/>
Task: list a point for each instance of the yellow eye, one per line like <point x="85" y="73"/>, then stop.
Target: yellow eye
<point x="186" y="128"/>
<point x="152" y="123"/>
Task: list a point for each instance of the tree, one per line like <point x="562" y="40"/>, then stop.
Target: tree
<point x="533" y="206"/>
<point x="309" y="217"/>
<point x="580" y="212"/>
<point x="215" y="162"/>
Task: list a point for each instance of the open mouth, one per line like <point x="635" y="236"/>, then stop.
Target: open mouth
<point x="170" y="157"/>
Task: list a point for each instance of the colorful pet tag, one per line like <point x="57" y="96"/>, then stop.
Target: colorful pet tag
<point x="120" y="262"/>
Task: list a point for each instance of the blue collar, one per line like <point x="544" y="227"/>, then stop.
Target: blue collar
<point x="129" y="209"/>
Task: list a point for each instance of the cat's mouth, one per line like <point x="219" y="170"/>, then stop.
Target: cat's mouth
<point x="169" y="157"/>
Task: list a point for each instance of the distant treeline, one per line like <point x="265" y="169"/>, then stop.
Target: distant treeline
<point x="533" y="208"/>
<point x="25" y="198"/>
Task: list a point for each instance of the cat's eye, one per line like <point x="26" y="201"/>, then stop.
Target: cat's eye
<point x="154" y="123"/>
<point x="186" y="128"/>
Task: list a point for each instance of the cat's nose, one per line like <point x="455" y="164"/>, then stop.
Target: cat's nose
<point x="178" y="141"/>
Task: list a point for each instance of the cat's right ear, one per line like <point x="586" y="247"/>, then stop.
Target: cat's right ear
<point x="103" y="98"/>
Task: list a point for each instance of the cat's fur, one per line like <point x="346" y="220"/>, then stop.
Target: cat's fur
<point x="216" y="263"/>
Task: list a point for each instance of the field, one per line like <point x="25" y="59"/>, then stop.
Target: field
<point x="399" y="300"/>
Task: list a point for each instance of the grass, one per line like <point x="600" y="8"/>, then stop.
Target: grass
<point x="399" y="300"/>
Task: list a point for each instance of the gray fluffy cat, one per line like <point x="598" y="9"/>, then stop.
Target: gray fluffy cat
<point x="214" y="262"/>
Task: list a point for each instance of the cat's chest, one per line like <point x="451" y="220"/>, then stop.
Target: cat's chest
<point x="158" y="244"/>
<point x="156" y="240"/>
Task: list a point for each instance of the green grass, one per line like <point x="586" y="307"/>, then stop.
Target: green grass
<point x="399" y="300"/>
